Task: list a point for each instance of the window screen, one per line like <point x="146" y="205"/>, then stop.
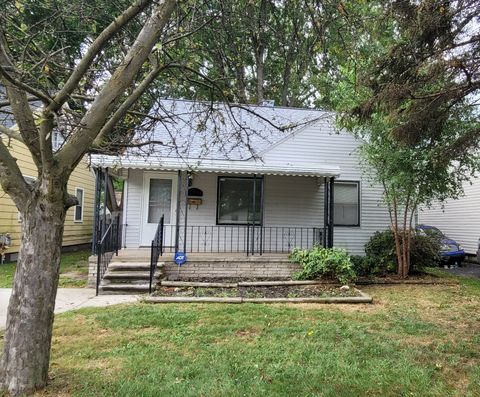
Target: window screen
<point x="235" y="200"/>
<point x="346" y="204"/>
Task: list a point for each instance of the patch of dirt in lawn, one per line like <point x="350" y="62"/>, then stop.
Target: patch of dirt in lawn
<point x="74" y="275"/>
<point x="283" y="291"/>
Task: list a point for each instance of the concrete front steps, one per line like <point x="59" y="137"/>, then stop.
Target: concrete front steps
<point x="128" y="277"/>
<point x="129" y="272"/>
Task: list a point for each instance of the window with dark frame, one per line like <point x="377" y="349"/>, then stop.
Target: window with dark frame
<point x="346" y="203"/>
<point x="235" y="200"/>
<point x="78" y="217"/>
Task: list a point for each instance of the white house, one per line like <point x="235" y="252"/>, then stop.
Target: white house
<point x="459" y="219"/>
<point x="248" y="179"/>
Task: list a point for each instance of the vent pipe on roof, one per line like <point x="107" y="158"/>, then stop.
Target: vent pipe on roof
<point x="268" y="102"/>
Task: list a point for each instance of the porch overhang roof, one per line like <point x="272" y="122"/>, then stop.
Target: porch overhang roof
<point x="217" y="166"/>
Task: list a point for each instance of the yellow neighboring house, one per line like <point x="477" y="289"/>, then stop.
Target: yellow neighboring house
<point x="79" y="220"/>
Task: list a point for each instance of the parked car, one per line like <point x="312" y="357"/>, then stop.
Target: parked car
<point x="451" y="253"/>
<point x="478" y="251"/>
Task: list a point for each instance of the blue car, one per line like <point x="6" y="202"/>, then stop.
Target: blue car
<point x="451" y="253"/>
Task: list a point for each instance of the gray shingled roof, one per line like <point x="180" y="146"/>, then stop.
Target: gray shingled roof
<point x="204" y="130"/>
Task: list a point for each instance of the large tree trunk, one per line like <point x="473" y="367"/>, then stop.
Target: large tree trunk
<point x="26" y="352"/>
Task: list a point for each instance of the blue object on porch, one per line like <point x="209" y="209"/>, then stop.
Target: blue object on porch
<point x="180" y="258"/>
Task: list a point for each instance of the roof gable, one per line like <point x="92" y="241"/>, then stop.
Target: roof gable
<point x="211" y="130"/>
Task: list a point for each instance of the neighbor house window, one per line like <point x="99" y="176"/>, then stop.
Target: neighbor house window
<point x="346" y="203"/>
<point x="78" y="215"/>
<point x="235" y="200"/>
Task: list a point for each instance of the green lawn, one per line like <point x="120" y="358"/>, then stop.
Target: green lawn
<point x="73" y="270"/>
<point x="413" y="341"/>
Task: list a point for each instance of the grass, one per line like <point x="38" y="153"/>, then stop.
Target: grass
<point x="73" y="270"/>
<point x="413" y="341"/>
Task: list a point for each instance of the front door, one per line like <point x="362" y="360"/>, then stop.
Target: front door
<point x="160" y="191"/>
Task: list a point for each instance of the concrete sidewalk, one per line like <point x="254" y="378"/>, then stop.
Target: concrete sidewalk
<point x="69" y="299"/>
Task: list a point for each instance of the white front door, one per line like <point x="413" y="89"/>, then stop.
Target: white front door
<point x="159" y="198"/>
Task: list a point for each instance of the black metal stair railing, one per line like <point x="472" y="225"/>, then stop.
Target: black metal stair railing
<point x="156" y="250"/>
<point x="106" y="247"/>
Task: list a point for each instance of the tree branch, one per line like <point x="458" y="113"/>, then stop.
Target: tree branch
<point x="11" y="178"/>
<point x="21" y="109"/>
<point x="105" y="102"/>
<point x="6" y="103"/>
<point x="25" y="87"/>
<point x="11" y="133"/>
<point x="128" y="103"/>
<point x="95" y="49"/>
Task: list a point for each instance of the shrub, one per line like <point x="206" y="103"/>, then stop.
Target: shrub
<point x="424" y="252"/>
<point x="381" y="255"/>
<point x="381" y="248"/>
<point x="370" y="266"/>
<point x="323" y="262"/>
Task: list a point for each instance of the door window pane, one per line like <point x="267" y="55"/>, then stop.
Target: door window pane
<point x="235" y="200"/>
<point x="159" y="200"/>
<point x="345" y="203"/>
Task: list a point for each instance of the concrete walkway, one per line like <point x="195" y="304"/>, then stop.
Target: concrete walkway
<point x="69" y="299"/>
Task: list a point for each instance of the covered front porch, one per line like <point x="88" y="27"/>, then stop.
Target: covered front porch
<point x="227" y="212"/>
<point x="215" y="219"/>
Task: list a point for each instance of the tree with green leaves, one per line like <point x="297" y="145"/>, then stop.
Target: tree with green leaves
<point x="408" y="85"/>
<point x="259" y="50"/>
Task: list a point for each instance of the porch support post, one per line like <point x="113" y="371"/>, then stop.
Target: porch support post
<point x="177" y="214"/>
<point x="105" y="192"/>
<point x="331" y="210"/>
<point x="262" y="201"/>
<point x="177" y="219"/>
<point x="187" y="179"/>
<point x="253" y="212"/>
<point x="96" y="211"/>
<point x="326" y="210"/>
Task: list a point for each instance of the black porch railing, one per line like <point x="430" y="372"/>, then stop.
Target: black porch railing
<point x="156" y="250"/>
<point x="241" y="238"/>
<point x="106" y="247"/>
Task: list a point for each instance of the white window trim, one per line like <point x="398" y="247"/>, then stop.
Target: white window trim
<point x="75" y="207"/>
<point x="359" y="196"/>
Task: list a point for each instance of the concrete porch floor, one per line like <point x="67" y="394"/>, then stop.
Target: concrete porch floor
<point x="143" y="254"/>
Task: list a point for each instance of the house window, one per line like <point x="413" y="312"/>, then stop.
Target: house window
<point x="78" y="215"/>
<point x="346" y="203"/>
<point x="235" y="200"/>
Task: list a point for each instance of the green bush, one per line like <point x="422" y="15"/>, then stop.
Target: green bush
<point x="371" y="266"/>
<point x="323" y="262"/>
<point x="381" y="257"/>
<point x="424" y="252"/>
<point x="381" y="249"/>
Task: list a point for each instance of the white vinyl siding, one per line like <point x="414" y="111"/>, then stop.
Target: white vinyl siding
<point x="321" y="144"/>
<point x="133" y="216"/>
<point x="289" y="200"/>
<point x="458" y="219"/>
